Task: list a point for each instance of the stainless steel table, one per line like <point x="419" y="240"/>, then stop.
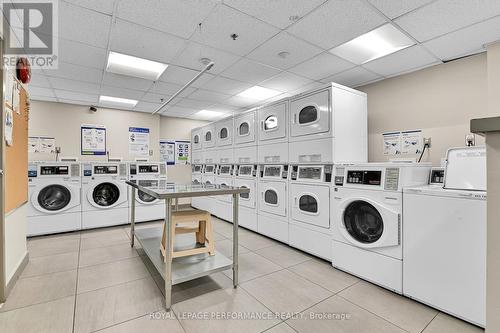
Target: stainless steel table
<point x="187" y="268"/>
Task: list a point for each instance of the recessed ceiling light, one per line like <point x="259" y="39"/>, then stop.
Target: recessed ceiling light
<point x="259" y="93"/>
<point x="209" y="115"/>
<point x="117" y="101"/>
<point x="374" y="44"/>
<point x="119" y="63"/>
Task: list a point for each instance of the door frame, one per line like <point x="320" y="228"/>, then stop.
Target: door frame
<point x="3" y="286"/>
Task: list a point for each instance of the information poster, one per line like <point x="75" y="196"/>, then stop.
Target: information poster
<point x="392" y="143"/>
<point x="9" y="126"/>
<point x="93" y="139"/>
<point x="411" y="142"/>
<point x="182" y="149"/>
<point x="138" y="141"/>
<point x="41" y="144"/>
<point x="167" y="151"/>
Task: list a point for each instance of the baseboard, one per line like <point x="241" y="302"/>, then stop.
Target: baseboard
<point x="19" y="270"/>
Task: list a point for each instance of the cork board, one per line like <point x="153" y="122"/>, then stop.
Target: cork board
<point x="16" y="159"/>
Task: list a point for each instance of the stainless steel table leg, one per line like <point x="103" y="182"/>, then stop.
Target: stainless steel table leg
<point x="132" y="219"/>
<point x="176" y="204"/>
<point x="235" y="239"/>
<point x="168" y="254"/>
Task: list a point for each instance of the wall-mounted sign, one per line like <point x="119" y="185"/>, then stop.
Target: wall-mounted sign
<point x="182" y="150"/>
<point x="392" y="143"/>
<point x="167" y="151"/>
<point x="93" y="139"/>
<point x="406" y="143"/>
<point x="138" y="141"/>
<point x="41" y="144"/>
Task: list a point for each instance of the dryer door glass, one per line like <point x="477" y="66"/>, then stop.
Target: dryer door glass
<point x="271" y="197"/>
<point x="363" y="222"/>
<point x="244" y="195"/>
<point x="244" y="129"/>
<point x="208" y="136"/>
<point x="223" y="133"/>
<point x="196" y="139"/>
<point x="270" y="123"/>
<point x="308" y="114"/>
<point x="308" y="203"/>
<point x="54" y="197"/>
<point x="106" y="194"/>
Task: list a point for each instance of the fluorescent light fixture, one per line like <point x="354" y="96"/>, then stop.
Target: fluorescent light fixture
<point x="116" y="101"/>
<point x="259" y="93"/>
<point x="208" y="114"/>
<point x="374" y="44"/>
<point x="119" y="63"/>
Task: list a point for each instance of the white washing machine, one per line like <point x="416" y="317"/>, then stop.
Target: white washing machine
<point x="445" y="235"/>
<point x="54" y="198"/>
<point x="245" y="133"/>
<point x="208" y="177"/>
<point x="272" y="217"/>
<point x="273" y="133"/>
<point x="223" y="203"/>
<point x="246" y="177"/>
<point x="196" y="178"/>
<point x="367" y="210"/>
<point x="309" y="200"/>
<point x="148" y="208"/>
<point x="328" y="125"/>
<point x="105" y="194"/>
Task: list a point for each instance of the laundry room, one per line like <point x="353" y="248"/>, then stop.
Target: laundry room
<point x="260" y="166"/>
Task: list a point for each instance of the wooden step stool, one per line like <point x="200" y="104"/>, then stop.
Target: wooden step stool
<point x="190" y="221"/>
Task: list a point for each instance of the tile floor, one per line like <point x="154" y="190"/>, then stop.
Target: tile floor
<point x="93" y="281"/>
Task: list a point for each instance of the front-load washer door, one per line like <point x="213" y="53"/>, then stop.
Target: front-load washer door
<point x="272" y="122"/>
<point x="107" y="194"/>
<point x="273" y="197"/>
<point x="246" y="199"/>
<point x="310" y="114"/>
<point x="310" y="204"/>
<point x="144" y="198"/>
<point x="55" y="198"/>
<point x="368" y="224"/>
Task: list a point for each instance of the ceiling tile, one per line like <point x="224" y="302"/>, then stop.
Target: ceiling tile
<point x="193" y="104"/>
<point x="465" y="41"/>
<point x="226" y="86"/>
<point x="73" y="102"/>
<point x="209" y="96"/>
<point x="444" y="16"/>
<point x="146" y="106"/>
<point x="75" y="72"/>
<point x="178" y="111"/>
<point x="191" y="55"/>
<point x="105" y="7"/>
<point x="337" y="22"/>
<point x="76" y="96"/>
<point x="121" y="92"/>
<point x="239" y="101"/>
<point x="352" y="77"/>
<point x="224" y="21"/>
<point x="81" y="54"/>
<point x="83" y="25"/>
<point x="321" y="65"/>
<point x="298" y="51"/>
<point x="178" y="17"/>
<point x="181" y="76"/>
<point x="221" y="108"/>
<point x="168" y="89"/>
<point x="39" y="91"/>
<point x="402" y="61"/>
<point x="285" y="82"/>
<point x="393" y="9"/>
<point x="139" y="41"/>
<point x="65" y="84"/>
<point x="123" y="81"/>
<point x="276" y="12"/>
<point x="154" y="98"/>
<point x="249" y="71"/>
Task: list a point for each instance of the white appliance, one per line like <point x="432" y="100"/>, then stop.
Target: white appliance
<point x="148" y="208"/>
<point x="197" y="157"/>
<point x="246" y="177"/>
<point x="367" y="210"/>
<point x="328" y="125"/>
<point x="196" y="178"/>
<point x="272" y="217"/>
<point x="196" y="139"/>
<point x="223" y="203"/>
<point x="436" y="176"/>
<point x="244" y="129"/>
<point x="444" y="254"/>
<point x="245" y="155"/>
<point x="309" y="200"/>
<point x="54" y="198"/>
<point x="208" y="177"/>
<point x="273" y="133"/>
<point x="224" y="130"/>
<point x="208" y="136"/>
<point x="105" y="194"/>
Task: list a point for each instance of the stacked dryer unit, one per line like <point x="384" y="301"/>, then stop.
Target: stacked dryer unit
<point x="208" y="177"/>
<point x="196" y="179"/>
<point x="225" y="167"/>
<point x="246" y="176"/>
<point x="197" y="164"/>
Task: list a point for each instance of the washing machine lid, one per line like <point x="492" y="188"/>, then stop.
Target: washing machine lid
<point x="55" y="198"/>
<point x="466" y="169"/>
<point x="107" y="194"/>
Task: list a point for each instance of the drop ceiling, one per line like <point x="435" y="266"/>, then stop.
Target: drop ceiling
<point x="302" y="31"/>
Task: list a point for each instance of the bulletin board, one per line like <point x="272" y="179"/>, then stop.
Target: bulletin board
<point x="16" y="158"/>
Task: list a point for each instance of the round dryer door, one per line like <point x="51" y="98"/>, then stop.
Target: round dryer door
<point x="363" y="222"/>
<point x="54" y="197"/>
<point x="106" y="194"/>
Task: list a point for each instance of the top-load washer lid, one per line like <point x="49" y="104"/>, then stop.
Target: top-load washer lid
<point x="466" y="169"/>
<point x="54" y="197"/>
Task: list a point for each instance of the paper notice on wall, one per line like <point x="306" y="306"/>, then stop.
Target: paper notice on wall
<point x="16" y="96"/>
<point x="47" y="145"/>
<point x="93" y="139"/>
<point x="411" y="142"/>
<point x="138" y="141"/>
<point x="9" y="126"/>
<point x="33" y="144"/>
<point x="9" y="86"/>
<point x="167" y="151"/>
<point x="182" y="151"/>
<point x="392" y="143"/>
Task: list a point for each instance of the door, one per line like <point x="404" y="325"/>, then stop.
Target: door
<point x="273" y="122"/>
<point x="311" y="204"/>
<point x="144" y="198"/>
<point x="367" y="224"/>
<point x="246" y="199"/>
<point x="224" y="129"/>
<point x="106" y="195"/>
<point x="55" y="198"/>
<point x="244" y="128"/>
<point x="208" y="137"/>
<point x="196" y="139"/>
<point x="310" y="114"/>
<point x="273" y="197"/>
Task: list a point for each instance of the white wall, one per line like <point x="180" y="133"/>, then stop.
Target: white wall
<point x="15" y="241"/>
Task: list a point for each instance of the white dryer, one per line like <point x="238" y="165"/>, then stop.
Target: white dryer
<point x="105" y="194"/>
<point x="196" y="178"/>
<point x="273" y="133"/>
<point x="148" y="208"/>
<point x="54" y="198"/>
<point x="224" y="129"/>
<point x="309" y="200"/>
<point x="245" y="133"/>
<point x="328" y="125"/>
<point x="208" y="178"/>
<point x="223" y="203"/>
<point x="367" y="210"/>
<point x="196" y="139"/>
<point x="246" y="177"/>
<point x="272" y="217"/>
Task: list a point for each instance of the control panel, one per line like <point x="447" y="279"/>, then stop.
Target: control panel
<point x="364" y="177"/>
<point x="436" y="176"/>
<point x="275" y="171"/>
<point x="247" y="170"/>
<point x="105" y="170"/>
<point x="197" y="168"/>
<point x="54" y="170"/>
<point x="148" y="168"/>
<point x="317" y="173"/>
<point x="226" y="170"/>
<point x="210" y="168"/>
